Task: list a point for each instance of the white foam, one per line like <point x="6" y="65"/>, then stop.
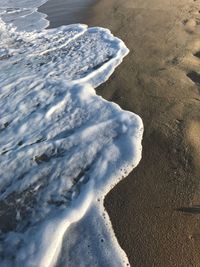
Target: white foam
<point x="62" y="147"/>
<point x="22" y="3"/>
<point x="23" y="14"/>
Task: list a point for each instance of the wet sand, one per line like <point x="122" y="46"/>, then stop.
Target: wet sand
<point x="155" y="211"/>
<point x="64" y="12"/>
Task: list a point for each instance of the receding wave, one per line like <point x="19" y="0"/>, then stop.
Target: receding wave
<point x="62" y="147"/>
<point x="23" y="14"/>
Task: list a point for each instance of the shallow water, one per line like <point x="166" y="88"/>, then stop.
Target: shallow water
<point x="64" y="12"/>
<point x="62" y="147"/>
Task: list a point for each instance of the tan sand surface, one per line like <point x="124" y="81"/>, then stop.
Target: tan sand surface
<point x="155" y="211"/>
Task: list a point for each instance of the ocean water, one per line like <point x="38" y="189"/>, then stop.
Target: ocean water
<point x="23" y="14"/>
<point x="62" y="147"/>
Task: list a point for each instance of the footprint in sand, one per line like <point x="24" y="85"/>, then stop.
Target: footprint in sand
<point x="190" y="24"/>
<point x="194" y="61"/>
<point x="192" y="134"/>
<point x="194" y="76"/>
<point x="194" y="20"/>
<point x="197" y="54"/>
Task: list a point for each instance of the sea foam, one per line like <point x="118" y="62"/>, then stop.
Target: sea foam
<point x="62" y="147"/>
<point x="23" y="14"/>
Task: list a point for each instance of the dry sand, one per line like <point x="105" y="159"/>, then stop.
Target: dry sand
<point x="156" y="210"/>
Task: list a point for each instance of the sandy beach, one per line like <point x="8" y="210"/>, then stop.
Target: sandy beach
<point x="155" y="211"/>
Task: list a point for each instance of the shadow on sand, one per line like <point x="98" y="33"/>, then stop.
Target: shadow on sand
<point x="191" y="210"/>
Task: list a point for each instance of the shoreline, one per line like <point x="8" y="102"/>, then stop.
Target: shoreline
<point x="155" y="210"/>
<point x="70" y="13"/>
<point x="40" y="219"/>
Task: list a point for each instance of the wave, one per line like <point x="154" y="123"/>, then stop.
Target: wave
<point x="62" y="147"/>
<point x="23" y="14"/>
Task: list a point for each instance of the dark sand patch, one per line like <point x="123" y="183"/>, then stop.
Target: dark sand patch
<point x="64" y="12"/>
<point x="194" y="76"/>
<point x="192" y="210"/>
